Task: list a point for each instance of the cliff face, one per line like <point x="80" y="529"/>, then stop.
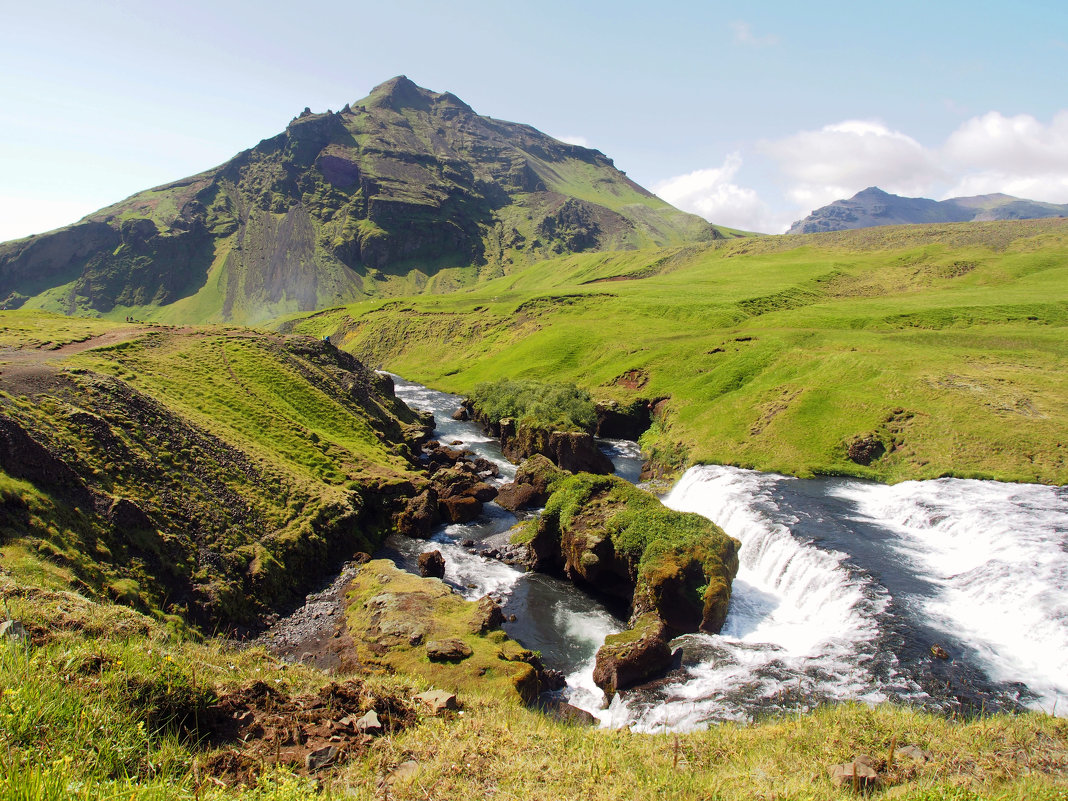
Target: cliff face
<point x="403" y="191"/>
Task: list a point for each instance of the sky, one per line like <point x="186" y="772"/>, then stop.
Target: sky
<point x="750" y="114"/>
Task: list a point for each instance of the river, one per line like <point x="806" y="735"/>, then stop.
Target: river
<point x="844" y="587"/>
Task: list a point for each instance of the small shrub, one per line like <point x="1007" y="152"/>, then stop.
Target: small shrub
<point x="556" y="406"/>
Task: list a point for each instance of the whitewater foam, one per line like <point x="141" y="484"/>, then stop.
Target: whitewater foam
<point x="998" y="554"/>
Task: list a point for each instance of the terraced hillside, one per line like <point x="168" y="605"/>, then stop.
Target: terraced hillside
<point x="404" y="191"/>
<point x="891" y="353"/>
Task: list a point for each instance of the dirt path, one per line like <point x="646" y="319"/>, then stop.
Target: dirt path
<point x="31" y="370"/>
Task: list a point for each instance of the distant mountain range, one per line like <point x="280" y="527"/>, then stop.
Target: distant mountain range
<point x="405" y="191"/>
<point x="873" y="206"/>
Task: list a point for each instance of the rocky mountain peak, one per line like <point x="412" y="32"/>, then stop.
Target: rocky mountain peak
<point x="400" y="93"/>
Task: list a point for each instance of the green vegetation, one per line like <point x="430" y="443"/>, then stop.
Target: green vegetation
<point x="561" y="407"/>
<point x="392" y="615"/>
<point x="683" y="563"/>
<point x="945" y="343"/>
<point x="203" y="475"/>
<point x="104" y="703"/>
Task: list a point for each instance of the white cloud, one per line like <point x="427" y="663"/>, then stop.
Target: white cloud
<point x="743" y="34"/>
<point x="1017" y="155"/>
<point x="581" y="141"/>
<point x="840" y="159"/>
<point x="712" y="194"/>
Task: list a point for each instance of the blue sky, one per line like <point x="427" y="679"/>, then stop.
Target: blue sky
<point x="750" y="114"/>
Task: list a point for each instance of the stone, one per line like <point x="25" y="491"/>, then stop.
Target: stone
<point x="859" y="774"/>
<point x="461" y="414"/>
<point x="405" y="770"/>
<point x="447" y="650"/>
<point x="566" y="713"/>
<point x="438" y="701"/>
<point x="419" y="515"/>
<point x="14" y="631"/>
<point x="913" y="752"/>
<point x="321" y="757"/>
<point x="514" y="497"/>
<point x="460" y="510"/>
<point x="633" y="656"/>
<point x="432" y="564"/>
<point x="938" y="652"/>
<point x="488" y="616"/>
<point x="481" y="492"/>
<point x="369" y="723"/>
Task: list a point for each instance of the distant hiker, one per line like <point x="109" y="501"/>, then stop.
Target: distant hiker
<point x="326" y="339"/>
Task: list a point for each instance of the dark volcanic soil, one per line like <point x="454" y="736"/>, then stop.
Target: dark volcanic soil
<point x="315" y="633"/>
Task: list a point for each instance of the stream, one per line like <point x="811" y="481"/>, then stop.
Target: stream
<point x="844" y="587"/>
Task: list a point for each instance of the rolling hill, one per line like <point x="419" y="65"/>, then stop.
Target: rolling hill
<point x="942" y="348"/>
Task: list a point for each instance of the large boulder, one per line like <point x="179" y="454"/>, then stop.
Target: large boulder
<point x="419" y="515"/>
<point x="570" y="450"/>
<point x="515" y="497"/>
<point x="432" y="564"/>
<point x="608" y="534"/>
<point x="487" y="617"/>
<point x="532" y="486"/>
<point x="460" y="509"/>
<point x="633" y="656"/>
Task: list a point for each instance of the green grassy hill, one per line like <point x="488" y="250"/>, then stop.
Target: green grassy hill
<point x="944" y="346"/>
<point x="210" y="475"/>
<point x="405" y="191"/>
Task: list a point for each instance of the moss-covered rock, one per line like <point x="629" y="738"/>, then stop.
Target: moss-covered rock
<point x="633" y="656"/>
<point x="605" y="533"/>
<point x="399" y="622"/>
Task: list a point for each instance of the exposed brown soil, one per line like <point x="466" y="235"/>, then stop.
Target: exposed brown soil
<point x="32" y="370"/>
<point x="258" y="726"/>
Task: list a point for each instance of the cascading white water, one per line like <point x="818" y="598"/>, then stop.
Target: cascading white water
<point x="998" y="554"/>
<point x="799" y="624"/>
<point x="843" y="587"/>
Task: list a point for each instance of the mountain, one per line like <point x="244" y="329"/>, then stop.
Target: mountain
<point x="404" y="191"/>
<point x="873" y="206"/>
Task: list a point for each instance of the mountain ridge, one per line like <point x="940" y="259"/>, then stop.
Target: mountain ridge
<point x="403" y="191"/>
<point x="874" y="207"/>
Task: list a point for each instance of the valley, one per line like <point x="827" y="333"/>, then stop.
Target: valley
<point x="306" y="486"/>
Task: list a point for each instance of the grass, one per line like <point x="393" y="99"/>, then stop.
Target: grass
<point x="105" y="704"/>
<point x="171" y="445"/>
<point x="946" y="343"/>
<point x="560" y="407"/>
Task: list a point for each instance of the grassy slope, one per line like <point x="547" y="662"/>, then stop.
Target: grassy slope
<point x="251" y="458"/>
<point x="777" y="352"/>
<point x="106" y="704"/>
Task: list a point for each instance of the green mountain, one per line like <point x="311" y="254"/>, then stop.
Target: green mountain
<point x="872" y="207"/>
<point x="404" y="191"/>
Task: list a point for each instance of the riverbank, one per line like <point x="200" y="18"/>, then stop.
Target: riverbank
<point x="91" y="730"/>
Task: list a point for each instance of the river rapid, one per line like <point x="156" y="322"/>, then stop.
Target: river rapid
<point x="844" y="587"/>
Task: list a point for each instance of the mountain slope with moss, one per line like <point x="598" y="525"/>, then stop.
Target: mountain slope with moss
<point x="211" y="475"/>
<point x="889" y="353"/>
<point x="405" y="191"/>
